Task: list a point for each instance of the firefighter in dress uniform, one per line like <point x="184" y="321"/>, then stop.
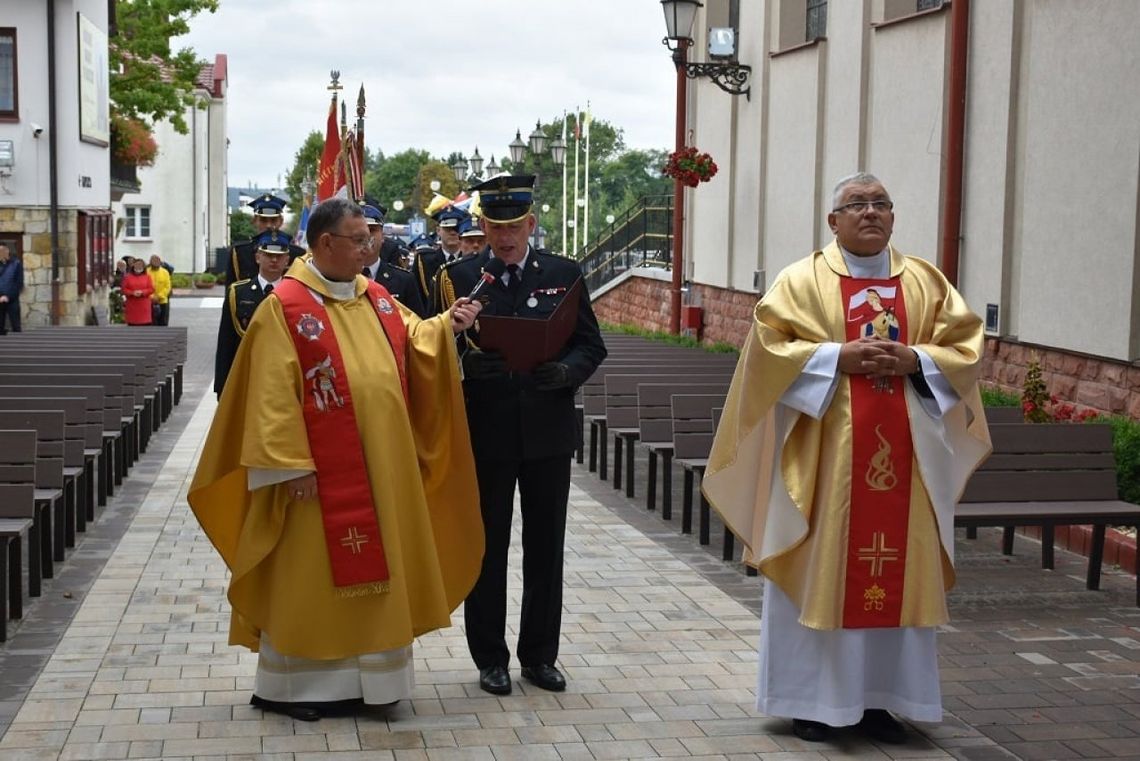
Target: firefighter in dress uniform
<point x="272" y="253"/>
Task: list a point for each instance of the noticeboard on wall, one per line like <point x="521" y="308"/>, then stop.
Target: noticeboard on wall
<point x="94" y="122"/>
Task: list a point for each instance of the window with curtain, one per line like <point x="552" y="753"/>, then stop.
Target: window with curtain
<point x="9" y="101"/>
<point x="816" y="19"/>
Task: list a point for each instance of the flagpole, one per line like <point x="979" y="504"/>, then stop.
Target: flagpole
<point x="360" y="107"/>
<point x="586" y="184"/>
<point x="564" y="168"/>
<point x="577" y="138"/>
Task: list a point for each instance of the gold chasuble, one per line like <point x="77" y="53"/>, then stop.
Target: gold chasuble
<point x="417" y="462"/>
<point x="851" y="515"/>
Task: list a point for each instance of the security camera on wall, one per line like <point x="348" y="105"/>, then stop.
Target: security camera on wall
<point x="37" y="129"/>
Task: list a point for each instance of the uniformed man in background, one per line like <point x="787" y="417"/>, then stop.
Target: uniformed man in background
<point x="268" y="214"/>
<point x="398" y="282"/>
<point x="524" y="432"/>
<point x="272" y="254"/>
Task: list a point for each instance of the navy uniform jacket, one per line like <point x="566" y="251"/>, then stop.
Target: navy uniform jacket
<point x="402" y="285"/>
<point x="242" y="299"/>
<point x="509" y="417"/>
<point x="425" y="267"/>
<point x="243" y="266"/>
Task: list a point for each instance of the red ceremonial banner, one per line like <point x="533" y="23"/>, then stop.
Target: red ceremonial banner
<point x="881" y="458"/>
<point x="352" y="528"/>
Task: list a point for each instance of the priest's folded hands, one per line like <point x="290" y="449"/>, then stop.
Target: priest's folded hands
<point x="877" y="357"/>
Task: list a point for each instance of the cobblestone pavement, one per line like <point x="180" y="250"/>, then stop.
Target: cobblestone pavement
<point x="659" y="648"/>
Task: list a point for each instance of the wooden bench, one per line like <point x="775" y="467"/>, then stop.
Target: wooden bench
<point x="1048" y="475"/>
<point x="624" y="410"/>
<point x="12" y="531"/>
<point x="59" y="523"/>
<point x="656" y="427"/>
<point x="74" y="433"/>
<point x="18" y="501"/>
<point x="99" y="485"/>
<point x="691" y="452"/>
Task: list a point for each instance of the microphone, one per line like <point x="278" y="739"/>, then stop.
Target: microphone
<point x="491" y="272"/>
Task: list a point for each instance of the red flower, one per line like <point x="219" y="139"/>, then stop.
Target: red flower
<point x="689" y="167"/>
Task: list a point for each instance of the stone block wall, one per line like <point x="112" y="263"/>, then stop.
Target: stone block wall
<point x="644" y="301"/>
<point x="33" y="225"/>
<point x="1105" y="385"/>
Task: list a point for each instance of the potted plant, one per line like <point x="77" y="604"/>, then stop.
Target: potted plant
<point x="690" y="166"/>
<point x="132" y="142"/>
<point x="205" y="280"/>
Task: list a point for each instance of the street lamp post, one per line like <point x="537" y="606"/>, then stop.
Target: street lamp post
<point x="558" y="156"/>
<point x="459" y="169"/>
<point x="476" y="162"/>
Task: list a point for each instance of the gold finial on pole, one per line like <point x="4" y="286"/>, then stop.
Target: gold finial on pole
<point x="336" y="85"/>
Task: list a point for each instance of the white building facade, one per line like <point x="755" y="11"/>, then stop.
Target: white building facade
<point x="180" y="211"/>
<point x="54" y="100"/>
<point x="1049" y="240"/>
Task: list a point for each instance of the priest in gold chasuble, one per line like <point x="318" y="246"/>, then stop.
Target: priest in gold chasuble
<point x="337" y="480"/>
<point x="850" y="429"/>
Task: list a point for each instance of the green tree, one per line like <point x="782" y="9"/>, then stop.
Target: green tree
<point x="305" y="162"/>
<point x="391" y="178"/>
<point x="150" y="81"/>
<point x="422" y="192"/>
<point x="241" y="226"/>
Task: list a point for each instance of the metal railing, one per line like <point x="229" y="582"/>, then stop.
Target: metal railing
<point x="641" y="236"/>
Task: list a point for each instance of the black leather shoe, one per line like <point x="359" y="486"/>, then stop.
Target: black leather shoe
<point x="495" y="680"/>
<point x="545" y="676"/>
<point x="880" y="725"/>
<point x="810" y="731"/>
<point x="292" y="710"/>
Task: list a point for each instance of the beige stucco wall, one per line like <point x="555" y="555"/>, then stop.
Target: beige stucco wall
<point x="1077" y="212"/>
<point x="1052" y="155"/>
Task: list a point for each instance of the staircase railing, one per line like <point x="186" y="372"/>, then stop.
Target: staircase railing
<point x="641" y="236"/>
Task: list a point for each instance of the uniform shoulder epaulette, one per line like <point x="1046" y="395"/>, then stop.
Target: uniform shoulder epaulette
<point x="455" y="261"/>
<point x="243" y="281"/>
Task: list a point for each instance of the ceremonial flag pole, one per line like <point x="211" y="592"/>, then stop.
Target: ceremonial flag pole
<point x="360" y="107"/>
<point x="577" y="138"/>
<point x="564" y="169"/>
<point x="586" y="184"/>
<point x="326" y="174"/>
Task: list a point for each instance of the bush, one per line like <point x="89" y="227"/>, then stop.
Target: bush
<point x="1126" y="448"/>
<point x="180" y="280"/>
<point x="718" y="347"/>
<point x="205" y="278"/>
<point x="995" y="397"/>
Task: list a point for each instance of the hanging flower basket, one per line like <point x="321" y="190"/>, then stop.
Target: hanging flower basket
<point x="132" y="142"/>
<point x="690" y="166"/>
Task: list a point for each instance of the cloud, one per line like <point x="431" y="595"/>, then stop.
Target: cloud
<point x="444" y="75"/>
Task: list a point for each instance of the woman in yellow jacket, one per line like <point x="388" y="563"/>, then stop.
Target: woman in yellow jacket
<point x="161" y="296"/>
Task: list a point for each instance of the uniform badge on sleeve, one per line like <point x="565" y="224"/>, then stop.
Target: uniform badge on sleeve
<point x="310" y="327"/>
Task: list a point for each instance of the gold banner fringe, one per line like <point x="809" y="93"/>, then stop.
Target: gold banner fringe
<point x="360" y="590"/>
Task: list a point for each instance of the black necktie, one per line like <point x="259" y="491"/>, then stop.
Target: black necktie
<point x="513" y="281"/>
<point x="367" y="272"/>
<point x="268" y="289"/>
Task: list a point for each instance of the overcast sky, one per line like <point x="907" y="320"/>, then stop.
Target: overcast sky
<point x="442" y="75"/>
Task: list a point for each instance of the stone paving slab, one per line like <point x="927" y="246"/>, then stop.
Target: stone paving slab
<point x="659" y="647"/>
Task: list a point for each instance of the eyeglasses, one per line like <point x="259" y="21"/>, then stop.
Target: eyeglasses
<point x="858" y="207"/>
<point x="363" y="242"/>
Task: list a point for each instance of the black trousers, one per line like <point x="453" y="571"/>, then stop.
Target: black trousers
<point x="10" y="316"/>
<point x="544" y="489"/>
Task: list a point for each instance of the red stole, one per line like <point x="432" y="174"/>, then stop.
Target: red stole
<point x="352" y="529"/>
<point x="880" y="465"/>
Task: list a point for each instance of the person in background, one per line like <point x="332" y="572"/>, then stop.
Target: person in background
<point x="160" y="277"/>
<point x="137" y="288"/>
<point x="243" y="298"/>
<point x="11" y="284"/>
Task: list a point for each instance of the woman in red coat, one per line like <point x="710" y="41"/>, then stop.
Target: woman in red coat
<point x="137" y="288"/>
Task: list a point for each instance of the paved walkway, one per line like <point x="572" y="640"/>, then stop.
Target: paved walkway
<point x="659" y="647"/>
